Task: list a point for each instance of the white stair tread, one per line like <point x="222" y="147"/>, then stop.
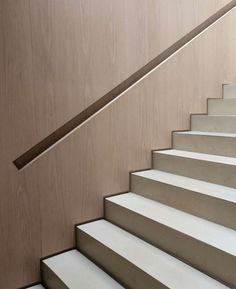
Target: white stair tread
<point x="199" y="156"/>
<point x="76" y="271"/>
<point x="36" y="287"/>
<point x="168" y="270"/>
<point x="210" y="233"/>
<point x="206" y="188"/>
<point x="206" y="133"/>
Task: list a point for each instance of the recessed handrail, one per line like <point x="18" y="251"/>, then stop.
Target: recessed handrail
<point x="59" y="134"/>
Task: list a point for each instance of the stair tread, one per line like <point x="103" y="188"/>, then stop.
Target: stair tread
<point x="158" y="264"/>
<point x="224" y="123"/>
<point x="211" y="189"/>
<point x="206" y="133"/>
<point x="208" y="232"/>
<point x="199" y="156"/>
<point x="75" y="270"/>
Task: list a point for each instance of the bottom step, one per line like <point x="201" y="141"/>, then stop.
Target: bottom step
<point x="135" y="263"/>
<point x="73" y="270"/>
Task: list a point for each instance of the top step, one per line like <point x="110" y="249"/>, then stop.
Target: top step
<point x="229" y="90"/>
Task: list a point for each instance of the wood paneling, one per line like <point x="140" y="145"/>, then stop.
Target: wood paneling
<point x="51" y="68"/>
<point x="73" y="123"/>
<point x="95" y="160"/>
<point x="62" y="55"/>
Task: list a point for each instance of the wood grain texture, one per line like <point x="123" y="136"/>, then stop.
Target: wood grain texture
<point x="110" y="96"/>
<point x="62" y="55"/>
<point x="96" y="159"/>
<point x="51" y="67"/>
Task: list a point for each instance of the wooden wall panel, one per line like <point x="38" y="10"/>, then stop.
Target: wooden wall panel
<point x="96" y="159"/>
<point x="42" y="84"/>
<point x="66" y="185"/>
<point x="62" y="55"/>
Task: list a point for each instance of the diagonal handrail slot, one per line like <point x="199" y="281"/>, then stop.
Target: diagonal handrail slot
<point x="116" y="92"/>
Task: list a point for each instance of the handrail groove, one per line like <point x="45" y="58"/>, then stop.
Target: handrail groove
<point x="69" y="126"/>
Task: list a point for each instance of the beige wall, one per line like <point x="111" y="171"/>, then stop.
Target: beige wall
<point x="56" y="58"/>
<point x="62" y="55"/>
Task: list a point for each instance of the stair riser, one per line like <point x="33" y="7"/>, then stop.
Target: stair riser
<point x="224" y="124"/>
<point x="51" y="279"/>
<point x="116" y="265"/>
<point x="224" y="146"/>
<point x="229" y="91"/>
<point x="216" y="210"/>
<point x="218" y="173"/>
<point x="176" y="243"/>
<point x="222" y="106"/>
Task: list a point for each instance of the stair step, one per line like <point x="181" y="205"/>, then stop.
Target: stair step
<point x="211" y="168"/>
<point x="214" y="123"/>
<point x="229" y="91"/>
<point x="207" y="200"/>
<point x="188" y="237"/>
<point x="136" y="263"/>
<point x="222" y="106"/>
<point x="73" y="270"/>
<point x="223" y="144"/>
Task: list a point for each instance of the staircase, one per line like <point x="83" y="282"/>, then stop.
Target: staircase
<point x="176" y="228"/>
